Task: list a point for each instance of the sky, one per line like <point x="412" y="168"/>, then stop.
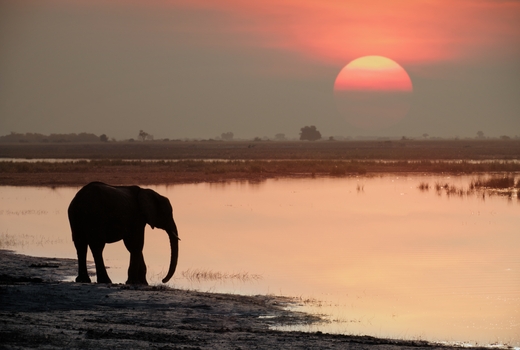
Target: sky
<point x="197" y="69"/>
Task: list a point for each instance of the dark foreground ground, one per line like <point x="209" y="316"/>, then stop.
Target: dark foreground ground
<point x="37" y="311"/>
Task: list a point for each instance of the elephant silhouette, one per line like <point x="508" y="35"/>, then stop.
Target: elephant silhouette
<point x="101" y="214"/>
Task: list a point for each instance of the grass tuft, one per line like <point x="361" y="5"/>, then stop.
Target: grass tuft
<point x="495" y="182"/>
<point x="499" y="185"/>
<point x="423" y="186"/>
<point x="199" y="275"/>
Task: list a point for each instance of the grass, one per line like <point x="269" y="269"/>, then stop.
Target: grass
<point x="200" y="275"/>
<point x="291" y="150"/>
<point x="77" y="173"/>
<point x="335" y="168"/>
<point x="423" y="186"/>
<point x="496" y="182"/>
<point x="504" y="185"/>
<point x="23" y="212"/>
<point x="153" y="163"/>
<point x="7" y="240"/>
<point x="323" y="167"/>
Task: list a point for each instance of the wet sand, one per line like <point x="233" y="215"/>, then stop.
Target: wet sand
<point x="39" y="311"/>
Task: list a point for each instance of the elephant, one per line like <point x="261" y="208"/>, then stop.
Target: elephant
<point x="101" y="213"/>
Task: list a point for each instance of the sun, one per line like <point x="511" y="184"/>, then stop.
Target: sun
<point x="373" y="92"/>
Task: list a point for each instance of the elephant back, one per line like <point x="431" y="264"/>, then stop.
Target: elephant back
<point x="99" y="209"/>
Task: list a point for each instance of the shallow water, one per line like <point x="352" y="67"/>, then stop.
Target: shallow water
<point x="376" y="255"/>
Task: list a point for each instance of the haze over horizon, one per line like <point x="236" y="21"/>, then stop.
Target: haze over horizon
<point x="196" y="69"/>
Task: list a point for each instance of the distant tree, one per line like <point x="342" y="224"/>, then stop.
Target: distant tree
<point x="142" y="135"/>
<point x="227" y="136"/>
<point x="279" y="137"/>
<point x="103" y="138"/>
<point x="505" y="137"/>
<point x="425" y="135"/>
<point x="309" y="133"/>
<point x="480" y="134"/>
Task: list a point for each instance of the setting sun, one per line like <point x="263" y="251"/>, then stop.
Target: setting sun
<point x="373" y="92"/>
<point x="375" y="73"/>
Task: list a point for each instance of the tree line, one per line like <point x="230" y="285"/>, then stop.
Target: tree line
<point x="307" y="133"/>
<point x="29" y="137"/>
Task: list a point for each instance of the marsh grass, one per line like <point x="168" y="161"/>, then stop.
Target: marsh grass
<point x="495" y="185"/>
<point x="310" y="301"/>
<point x="200" y="275"/>
<point x="246" y="149"/>
<point x="23" y="212"/>
<point x="8" y="240"/>
<point x="495" y="182"/>
<point x="423" y="186"/>
<point x="273" y="167"/>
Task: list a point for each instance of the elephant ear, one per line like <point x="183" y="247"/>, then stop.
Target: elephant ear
<point x="148" y="202"/>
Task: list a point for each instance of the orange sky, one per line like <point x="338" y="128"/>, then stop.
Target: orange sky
<point x="407" y="31"/>
<point x="198" y="68"/>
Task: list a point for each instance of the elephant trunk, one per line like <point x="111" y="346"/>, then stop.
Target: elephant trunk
<point x="174" y="244"/>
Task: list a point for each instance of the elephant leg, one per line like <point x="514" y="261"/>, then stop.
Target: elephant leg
<point x="101" y="271"/>
<point x="137" y="268"/>
<point x="81" y="250"/>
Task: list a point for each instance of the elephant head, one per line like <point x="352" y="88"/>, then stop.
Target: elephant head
<point x="158" y="212"/>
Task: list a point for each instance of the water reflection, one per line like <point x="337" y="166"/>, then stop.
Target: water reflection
<point x="377" y="255"/>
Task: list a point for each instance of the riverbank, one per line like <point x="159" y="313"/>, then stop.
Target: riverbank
<point x="158" y="163"/>
<point x="37" y="310"/>
<point x="119" y="172"/>
<point x="406" y="149"/>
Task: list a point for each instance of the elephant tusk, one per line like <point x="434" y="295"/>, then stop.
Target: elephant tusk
<point x="174" y="255"/>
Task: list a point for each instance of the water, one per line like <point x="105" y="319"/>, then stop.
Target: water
<point x="377" y="256"/>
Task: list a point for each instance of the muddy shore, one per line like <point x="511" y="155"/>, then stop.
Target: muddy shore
<point x="39" y="311"/>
